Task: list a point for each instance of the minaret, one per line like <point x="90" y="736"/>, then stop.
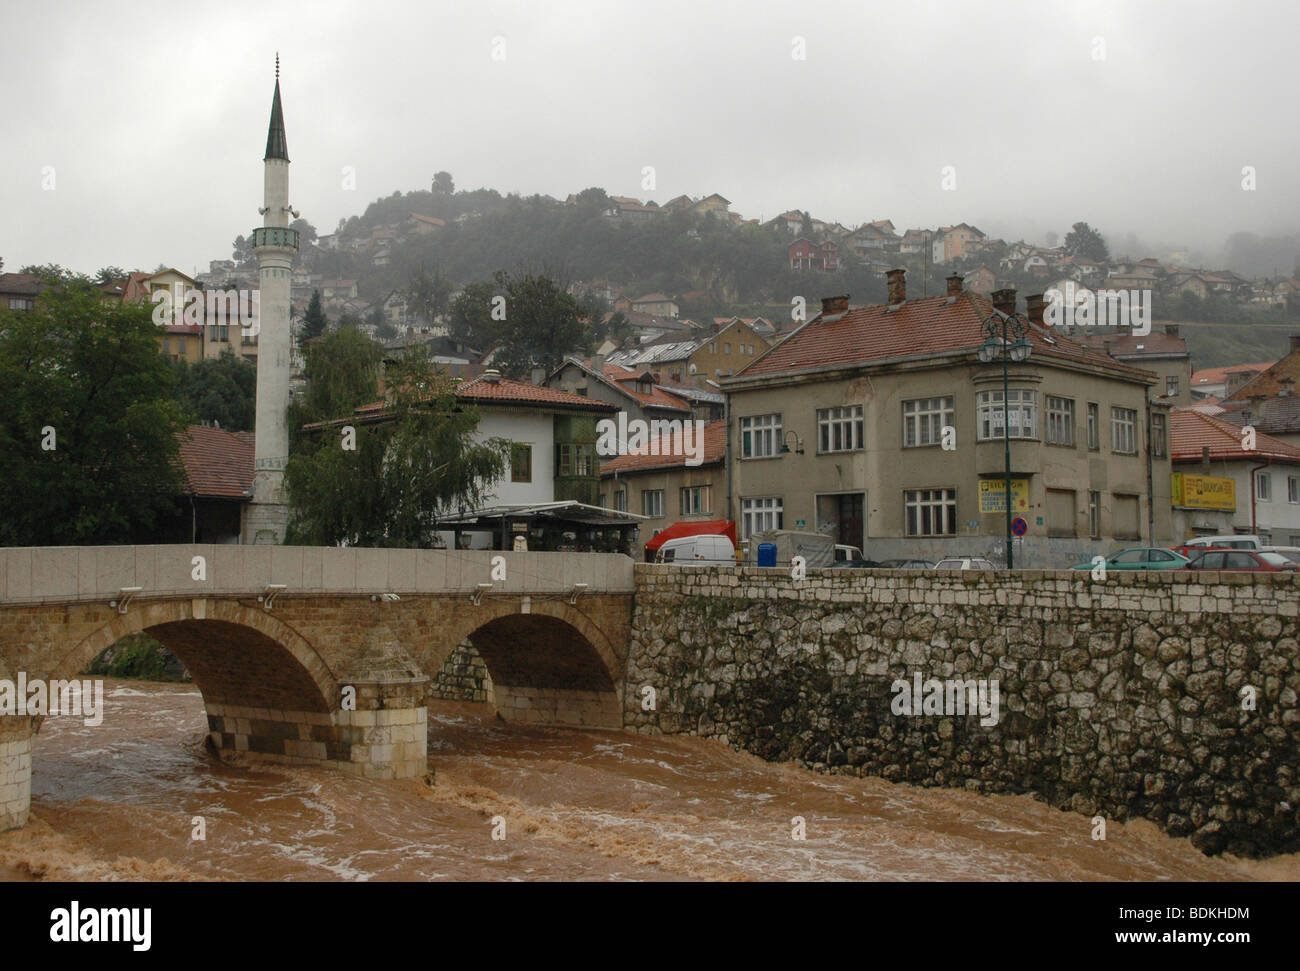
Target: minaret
<point x="275" y="245"/>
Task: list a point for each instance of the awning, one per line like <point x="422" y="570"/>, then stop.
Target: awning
<point x="702" y="527"/>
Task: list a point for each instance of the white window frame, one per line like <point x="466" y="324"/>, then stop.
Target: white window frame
<point x="838" y="425"/>
<point x="761" y="513"/>
<point x="924" y="420"/>
<point x="1023" y="408"/>
<point x="695" y="500"/>
<point x="926" y="504"/>
<point x="1123" y="420"/>
<point x="760" y="436"/>
<point x="1263" y="487"/>
<point x="1058" y="421"/>
<point x="652" y="503"/>
<point x="1094" y="426"/>
<point x="1292" y="489"/>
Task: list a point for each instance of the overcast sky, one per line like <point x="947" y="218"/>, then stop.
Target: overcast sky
<point x="135" y="131"/>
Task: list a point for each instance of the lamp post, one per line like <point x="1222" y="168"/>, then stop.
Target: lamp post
<point x="1004" y="337"/>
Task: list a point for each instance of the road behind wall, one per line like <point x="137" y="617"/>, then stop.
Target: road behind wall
<point x="1124" y="697"/>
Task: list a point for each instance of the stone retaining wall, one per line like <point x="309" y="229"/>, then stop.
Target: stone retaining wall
<point x="1124" y="697"/>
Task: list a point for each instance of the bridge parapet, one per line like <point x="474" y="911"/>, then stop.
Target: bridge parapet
<point x="80" y="573"/>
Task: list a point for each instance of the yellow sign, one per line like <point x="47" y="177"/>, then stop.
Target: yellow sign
<point x="1203" y="492"/>
<point x="993" y="495"/>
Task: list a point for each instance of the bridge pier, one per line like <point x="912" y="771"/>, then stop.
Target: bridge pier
<point x="15" y="771"/>
<point x="383" y="737"/>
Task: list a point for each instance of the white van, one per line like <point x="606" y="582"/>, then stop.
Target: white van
<point x="700" y="550"/>
<point x="1233" y="542"/>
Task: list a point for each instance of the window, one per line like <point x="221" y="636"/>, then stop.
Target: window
<point x="1263" y="486"/>
<point x="1123" y="430"/>
<point x="652" y="503"/>
<point x="1171" y="385"/>
<point x="713" y="347"/>
<point x="760" y="515"/>
<point x="1059" y="429"/>
<point x="760" y="436"/>
<point x="1158" y="437"/>
<point x="1021" y="415"/>
<point x="521" y="462"/>
<point x="697" y="500"/>
<point x="930" y="512"/>
<point x="577" y="460"/>
<point x="167" y="347"/>
<point x="21" y="303"/>
<point x="1292" y="489"/>
<point x="839" y="429"/>
<point x="924" y="419"/>
<point x="620" y="500"/>
<point x="726" y="348"/>
<point x="1094" y="427"/>
<point x="1094" y="515"/>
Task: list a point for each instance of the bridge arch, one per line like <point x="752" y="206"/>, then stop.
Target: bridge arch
<point x="550" y="664"/>
<point x="235" y="654"/>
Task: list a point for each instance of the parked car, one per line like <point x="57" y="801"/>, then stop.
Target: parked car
<point x="1141" y="558"/>
<point x="965" y="563"/>
<point x="1242" y="560"/>
<point x="907" y="565"/>
<point x="847" y="554"/>
<point x="1222" y="542"/>
<point x="857" y="564"/>
<point x="1292" y="553"/>
<point x="703" y="550"/>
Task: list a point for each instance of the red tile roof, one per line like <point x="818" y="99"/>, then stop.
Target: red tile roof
<point x="1148" y="345"/>
<point x="1190" y="431"/>
<point x="1218" y="375"/>
<point x="644" y="460"/>
<point x="1272" y="381"/>
<point x="507" y="391"/>
<point x="217" y="463"/>
<point x="918" y="328"/>
<point x="626" y="379"/>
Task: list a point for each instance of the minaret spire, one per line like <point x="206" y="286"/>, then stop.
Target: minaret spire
<point x="276" y="144"/>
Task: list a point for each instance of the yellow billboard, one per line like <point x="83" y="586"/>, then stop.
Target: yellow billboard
<point x="1203" y="492"/>
<point x="993" y="495"/>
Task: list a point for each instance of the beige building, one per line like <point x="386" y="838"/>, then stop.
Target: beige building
<point x="664" y="488"/>
<point x="1162" y="352"/>
<point x="881" y="426"/>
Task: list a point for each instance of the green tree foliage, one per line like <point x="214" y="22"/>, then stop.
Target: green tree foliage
<point x="83" y="374"/>
<point x="342" y="371"/>
<point x="221" y="390"/>
<point x="110" y="274"/>
<point x="49" y="273"/>
<point x="242" y="249"/>
<point x="417" y="463"/>
<point x="536" y="325"/>
<point x="443" y="185"/>
<point x="1083" y="240"/>
<point x="314" y="322"/>
<point x="306" y="231"/>
<point x="428" y="295"/>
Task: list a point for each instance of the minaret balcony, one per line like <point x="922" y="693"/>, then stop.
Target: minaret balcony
<point x="280" y="237"/>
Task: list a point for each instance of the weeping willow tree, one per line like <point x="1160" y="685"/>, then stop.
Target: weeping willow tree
<point x="385" y="475"/>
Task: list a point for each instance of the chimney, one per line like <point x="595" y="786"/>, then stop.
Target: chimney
<point x="1005" y="300"/>
<point x="954" y="285"/>
<point x="1295" y="342"/>
<point x="835" y="305"/>
<point x="896" y="281"/>
<point x="1034" y="304"/>
<point x="598" y="363"/>
<point x="1171" y="330"/>
<point x="492" y="376"/>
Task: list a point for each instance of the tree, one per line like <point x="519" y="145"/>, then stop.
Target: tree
<point x="221" y="390"/>
<point x="306" y="231"/>
<point x="443" y="184"/>
<point x="342" y="371"/>
<point x="428" y="296"/>
<point x="536" y="323"/>
<point x="88" y="434"/>
<point x="419" y="462"/>
<point x="314" y="321"/>
<point x="51" y="274"/>
<point x="1083" y="240"/>
<point x="243" y="250"/>
<point x="110" y="274"/>
<point x="471" y="315"/>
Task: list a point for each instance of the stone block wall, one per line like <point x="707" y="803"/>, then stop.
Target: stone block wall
<point x="1124" y="697"/>
<point x="462" y="677"/>
<point x="15" y="772"/>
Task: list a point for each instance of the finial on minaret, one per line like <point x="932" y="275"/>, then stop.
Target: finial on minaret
<point x="277" y="65"/>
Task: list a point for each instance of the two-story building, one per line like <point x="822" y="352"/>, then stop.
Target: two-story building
<point x="1163" y="352"/>
<point x="882" y="426"/>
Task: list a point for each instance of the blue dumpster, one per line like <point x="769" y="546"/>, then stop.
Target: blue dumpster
<point x="767" y="554"/>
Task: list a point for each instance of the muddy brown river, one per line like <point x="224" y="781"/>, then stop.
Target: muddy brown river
<point x="120" y="802"/>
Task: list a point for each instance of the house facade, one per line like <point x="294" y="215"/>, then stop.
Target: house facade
<point x="841" y="429"/>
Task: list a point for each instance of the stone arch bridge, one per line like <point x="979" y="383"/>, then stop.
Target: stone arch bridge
<point x="315" y="654"/>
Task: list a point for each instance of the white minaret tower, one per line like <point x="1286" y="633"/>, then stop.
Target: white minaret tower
<point x="275" y="244"/>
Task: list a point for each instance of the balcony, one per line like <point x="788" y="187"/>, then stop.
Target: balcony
<point x="279" y="236"/>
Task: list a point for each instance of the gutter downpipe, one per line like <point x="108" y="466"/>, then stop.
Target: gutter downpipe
<point x="1266" y="464"/>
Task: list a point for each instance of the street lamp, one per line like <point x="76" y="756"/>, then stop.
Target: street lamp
<point x="1004" y="337"/>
